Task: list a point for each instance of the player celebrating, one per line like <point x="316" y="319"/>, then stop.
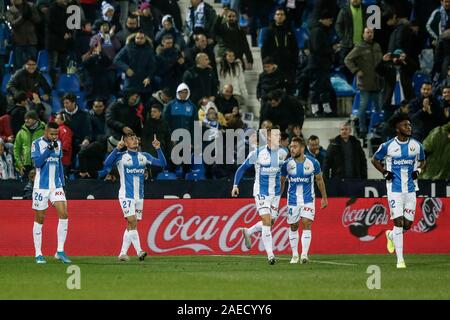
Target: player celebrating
<point x="131" y="166"/>
<point x="266" y="189"/>
<point x="300" y="170"/>
<point x="404" y="158"/>
<point x="46" y="153"/>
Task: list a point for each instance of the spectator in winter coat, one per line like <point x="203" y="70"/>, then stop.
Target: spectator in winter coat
<point x="147" y="23"/>
<point x="345" y="157"/>
<point x="170" y="8"/>
<point x="226" y="103"/>
<point x="168" y="27"/>
<point x="232" y="37"/>
<point x="137" y="59"/>
<point x="161" y="98"/>
<point x="200" y="46"/>
<point x="269" y="80"/>
<point x="315" y="150"/>
<point x="280" y="44"/>
<point x="31" y="130"/>
<point x="107" y="39"/>
<point x="181" y="113"/>
<point x="108" y="15"/>
<point x="131" y="27"/>
<point x="200" y="18"/>
<point x="437" y="148"/>
<point x="65" y="135"/>
<point x="23" y="18"/>
<point x="438" y="21"/>
<point x="97" y="119"/>
<point x="402" y="35"/>
<point x="17" y="111"/>
<point x="201" y="79"/>
<point x="231" y="71"/>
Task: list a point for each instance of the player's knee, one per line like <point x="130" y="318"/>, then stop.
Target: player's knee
<point x="294" y="227"/>
<point x="132" y="223"/>
<point x="39" y="217"/>
<point x="407" y="225"/>
<point x="306" y="224"/>
<point x="398" y="222"/>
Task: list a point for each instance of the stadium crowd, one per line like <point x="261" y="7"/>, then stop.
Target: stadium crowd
<point x="140" y="66"/>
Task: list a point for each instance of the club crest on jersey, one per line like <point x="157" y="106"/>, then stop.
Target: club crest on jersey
<point x="412" y="149"/>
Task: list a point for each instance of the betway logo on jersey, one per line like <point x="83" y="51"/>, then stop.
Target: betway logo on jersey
<point x="269" y="170"/>
<point x="52" y="159"/>
<point x="134" y="171"/>
<point x="403" y="162"/>
<point x="299" y="180"/>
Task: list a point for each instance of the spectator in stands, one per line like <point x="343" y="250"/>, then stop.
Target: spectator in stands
<point x="131" y="27"/>
<point x="17" y="111"/>
<point x="280" y="44"/>
<point x="31" y="130"/>
<point x="402" y="35"/>
<point x="23" y="17"/>
<point x="108" y="15"/>
<point x="6" y="133"/>
<point x="428" y="117"/>
<point x="171" y="62"/>
<point x="83" y="41"/>
<point x="97" y="119"/>
<point x="107" y="39"/>
<point x="99" y="74"/>
<point x="200" y="18"/>
<point x="42" y="6"/>
<point x="168" y="27"/>
<point x="362" y="61"/>
<point x="270" y="79"/>
<point x="442" y="56"/>
<point x="201" y="79"/>
<point x="283" y="110"/>
<point x="397" y="69"/>
<point x="437" y="148"/>
<point x="426" y="96"/>
<point x="65" y="135"/>
<point x="231" y="37"/>
<point x="146" y="20"/>
<point x="231" y="71"/>
<point x="78" y="122"/>
<point x="122" y="117"/>
<point x="438" y="21"/>
<point x="226" y="102"/>
<point x="256" y="12"/>
<point x="161" y="98"/>
<point x="345" y="157"/>
<point x="155" y="125"/>
<point x="90" y="9"/>
<point x="295" y="131"/>
<point x="200" y="46"/>
<point x="388" y="129"/>
<point x="137" y="59"/>
<point x="92" y="157"/>
<point x="350" y="25"/>
<point x="6" y="163"/>
<point x="181" y="113"/>
<point x="170" y="8"/>
<point x="319" y="63"/>
<point x="423" y="9"/>
<point x="445" y="104"/>
<point x="30" y="80"/>
<point x="315" y="150"/>
<point x="58" y="38"/>
<point x="207" y="104"/>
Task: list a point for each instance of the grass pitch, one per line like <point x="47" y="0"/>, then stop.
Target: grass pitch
<point x="227" y="277"/>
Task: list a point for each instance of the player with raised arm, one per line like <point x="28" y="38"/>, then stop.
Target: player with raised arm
<point x="46" y="153"/>
<point x="301" y="171"/>
<point x="131" y="166"/>
<point x="404" y="157"/>
<point x="266" y="189"/>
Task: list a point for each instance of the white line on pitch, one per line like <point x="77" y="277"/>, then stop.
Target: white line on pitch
<point x="288" y="259"/>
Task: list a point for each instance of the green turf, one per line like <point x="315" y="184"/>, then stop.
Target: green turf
<point x="227" y="277"/>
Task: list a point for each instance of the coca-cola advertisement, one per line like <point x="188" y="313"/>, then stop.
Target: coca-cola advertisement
<point x="213" y="227"/>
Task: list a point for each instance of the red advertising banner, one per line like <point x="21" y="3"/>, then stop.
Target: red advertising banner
<point x="213" y="226"/>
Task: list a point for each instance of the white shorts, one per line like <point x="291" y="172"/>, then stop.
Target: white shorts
<point x="132" y="207"/>
<point x="402" y="205"/>
<point x="41" y="197"/>
<point x="265" y="204"/>
<point x="306" y="211"/>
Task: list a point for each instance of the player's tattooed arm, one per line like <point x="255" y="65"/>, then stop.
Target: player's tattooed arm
<point x="323" y="190"/>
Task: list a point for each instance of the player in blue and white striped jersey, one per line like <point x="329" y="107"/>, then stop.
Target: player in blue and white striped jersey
<point x="266" y="189"/>
<point x="404" y="157"/>
<point x="301" y="171"/>
<point x="46" y="153"/>
<point x="131" y="165"/>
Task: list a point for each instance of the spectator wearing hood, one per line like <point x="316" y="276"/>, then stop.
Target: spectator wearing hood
<point x="171" y="62"/>
<point x="168" y="27"/>
<point x="181" y="113"/>
<point x="231" y="37"/>
<point x="123" y="117"/>
<point x="280" y="44"/>
<point x="201" y="79"/>
<point x="137" y="60"/>
<point x="108" y="15"/>
<point x="23" y="18"/>
<point x="170" y="7"/>
<point x="205" y="105"/>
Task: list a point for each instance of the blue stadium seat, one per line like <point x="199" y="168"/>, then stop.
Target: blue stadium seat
<point x="262" y="35"/>
<point x="81" y="100"/>
<point x="302" y="36"/>
<point x="10" y="65"/>
<point x="5" y="80"/>
<point x="369" y="2"/>
<point x="48" y="78"/>
<point x="68" y="83"/>
<point x="166" y="175"/>
<point x="195" y="175"/>
<point x="42" y="60"/>
<point x="56" y="102"/>
<point x="356" y="103"/>
<point x="375" y="119"/>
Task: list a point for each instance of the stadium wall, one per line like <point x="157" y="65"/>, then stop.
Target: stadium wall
<point x="213" y="226"/>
